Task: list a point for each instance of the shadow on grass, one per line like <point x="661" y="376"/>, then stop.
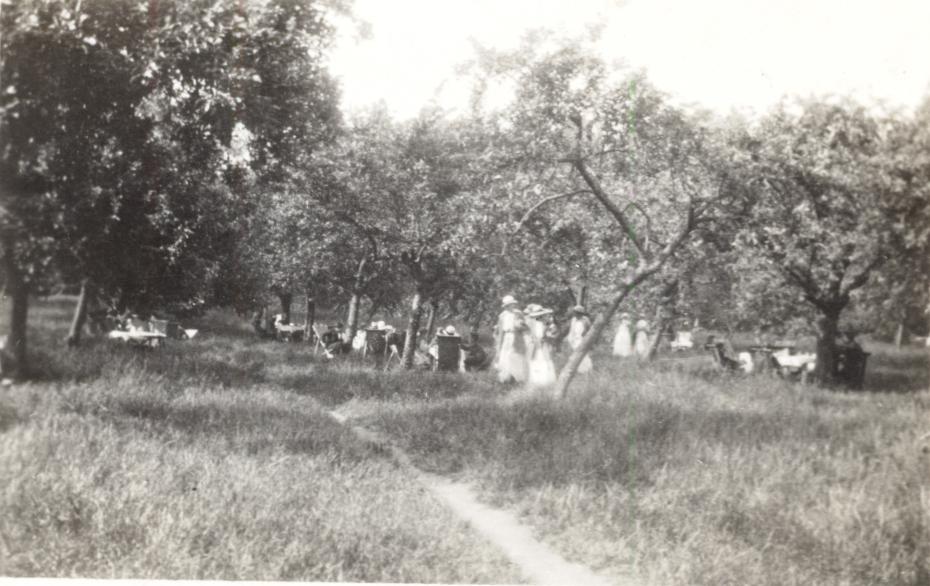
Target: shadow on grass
<point x="333" y="385"/>
<point x="246" y="427"/>
<point x="548" y="443"/>
<point x="904" y="371"/>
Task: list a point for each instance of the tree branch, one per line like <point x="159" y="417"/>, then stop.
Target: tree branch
<point x="615" y="211"/>
<point x="860" y="279"/>
<point x="544" y="201"/>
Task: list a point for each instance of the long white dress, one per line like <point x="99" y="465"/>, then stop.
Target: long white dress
<point x="511" y="362"/>
<point x="577" y="328"/>
<point x="623" y="341"/>
<point x="641" y="344"/>
<point x="542" y="368"/>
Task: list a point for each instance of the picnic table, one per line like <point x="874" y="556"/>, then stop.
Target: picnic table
<point x="139" y="337"/>
<point x="289" y="332"/>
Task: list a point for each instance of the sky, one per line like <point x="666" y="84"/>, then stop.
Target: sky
<point x="717" y="54"/>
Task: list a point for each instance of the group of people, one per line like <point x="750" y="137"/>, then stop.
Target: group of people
<point x="525" y="341"/>
<point x="629" y="341"/>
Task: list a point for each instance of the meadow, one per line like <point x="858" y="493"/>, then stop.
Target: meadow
<point x="214" y="459"/>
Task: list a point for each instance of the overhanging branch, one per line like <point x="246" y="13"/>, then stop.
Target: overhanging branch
<point x="543" y="202"/>
<point x="614" y="210"/>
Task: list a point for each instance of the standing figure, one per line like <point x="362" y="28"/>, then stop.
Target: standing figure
<point x="577" y="328"/>
<point x="542" y="338"/>
<point x="510" y="344"/>
<point x="623" y="341"/>
<point x="641" y="343"/>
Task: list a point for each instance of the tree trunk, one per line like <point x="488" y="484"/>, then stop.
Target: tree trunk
<point x="352" y="318"/>
<point x="899" y="335"/>
<point x="581" y="295"/>
<point x="413" y="328"/>
<point x="269" y="322"/>
<point x="597" y="327"/>
<point x="828" y="327"/>
<point x="310" y="313"/>
<point x="286" y="299"/>
<point x="661" y="322"/>
<point x="13" y="363"/>
<point x="664" y="314"/>
<point x="80" y="314"/>
<point x="430" y="319"/>
<point x="257" y="322"/>
<point x="354" y="300"/>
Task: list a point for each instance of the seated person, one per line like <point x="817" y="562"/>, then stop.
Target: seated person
<point x="332" y="339"/>
<point x="474" y="356"/>
<point x="849" y="357"/>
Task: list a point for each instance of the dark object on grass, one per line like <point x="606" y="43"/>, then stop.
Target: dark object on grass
<point x="849" y="367"/>
<point x="450" y="354"/>
<point x="719" y="354"/>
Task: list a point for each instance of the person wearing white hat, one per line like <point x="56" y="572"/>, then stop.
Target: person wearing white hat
<point x="623" y="341"/>
<point x="511" y="361"/>
<point x="541" y="367"/>
<point x="577" y="328"/>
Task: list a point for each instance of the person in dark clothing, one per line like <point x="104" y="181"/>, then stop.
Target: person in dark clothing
<point x="332" y="340"/>
<point x="474" y="356"/>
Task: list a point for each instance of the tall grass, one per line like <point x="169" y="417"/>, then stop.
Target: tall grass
<point x="702" y="480"/>
<point x="195" y="461"/>
<point x="212" y="459"/>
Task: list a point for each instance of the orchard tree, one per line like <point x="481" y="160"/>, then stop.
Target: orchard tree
<point x="586" y="134"/>
<point x="816" y="215"/>
<point x="118" y="129"/>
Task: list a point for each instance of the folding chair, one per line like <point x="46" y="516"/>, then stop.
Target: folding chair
<point x="319" y="343"/>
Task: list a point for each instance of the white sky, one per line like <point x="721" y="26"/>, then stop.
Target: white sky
<point x="718" y="54"/>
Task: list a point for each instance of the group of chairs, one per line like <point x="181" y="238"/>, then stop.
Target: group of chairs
<point x="783" y="360"/>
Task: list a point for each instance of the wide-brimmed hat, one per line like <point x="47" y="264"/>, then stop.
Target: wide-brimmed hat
<point x="448" y="331"/>
<point x="642" y="325"/>
<point x="578" y="309"/>
<point x="508" y="300"/>
<point x="536" y="310"/>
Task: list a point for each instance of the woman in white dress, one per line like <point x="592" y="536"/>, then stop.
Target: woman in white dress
<point x="623" y="341"/>
<point x="541" y="367"/>
<point x="510" y="343"/>
<point x="577" y="328"/>
<point x="641" y="344"/>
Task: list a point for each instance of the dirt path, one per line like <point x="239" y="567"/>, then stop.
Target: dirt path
<point x="539" y="563"/>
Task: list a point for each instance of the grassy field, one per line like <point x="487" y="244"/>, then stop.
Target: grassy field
<point x="212" y="459"/>
<point x="208" y="459"/>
